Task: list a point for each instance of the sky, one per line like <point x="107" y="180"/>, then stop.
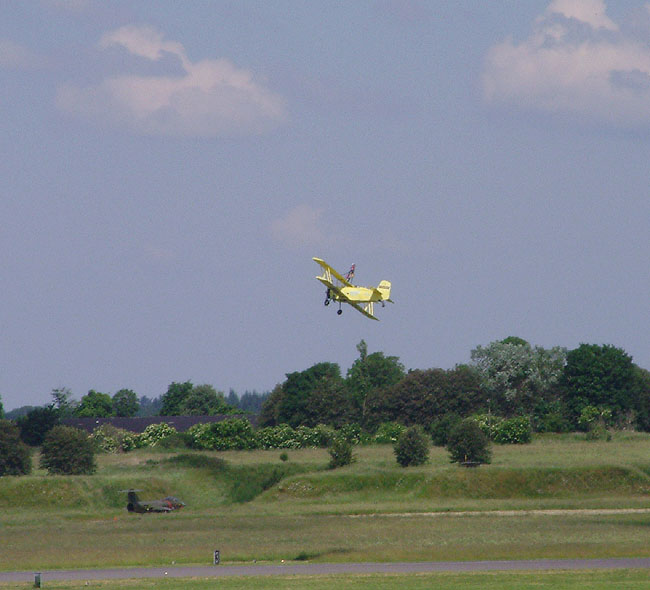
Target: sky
<point x="169" y="169"/>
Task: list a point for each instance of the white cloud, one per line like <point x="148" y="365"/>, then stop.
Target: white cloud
<point x="209" y="98"/>
<point x="300" y="226"/>
<point x="591" y="12"/>
<point x="575" y="61"/>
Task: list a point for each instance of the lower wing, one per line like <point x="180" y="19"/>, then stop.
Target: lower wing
<point x="366" y="309"/>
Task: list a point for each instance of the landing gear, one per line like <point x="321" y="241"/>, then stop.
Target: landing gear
<point x="339" y="311"/>
<point x="326" y="302"/>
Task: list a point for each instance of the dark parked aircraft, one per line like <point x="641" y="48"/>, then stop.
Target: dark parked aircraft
<point x="141" y="506"/>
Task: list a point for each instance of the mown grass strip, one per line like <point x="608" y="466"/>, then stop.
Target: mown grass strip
<point x="544" y="580"/>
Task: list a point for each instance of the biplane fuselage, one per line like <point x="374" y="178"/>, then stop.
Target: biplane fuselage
<point x="340" y="289"/>
<point x="360" y="294"/>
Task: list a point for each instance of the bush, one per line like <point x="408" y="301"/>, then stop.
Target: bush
<point x="281" y="436"/>
<point x="412" y="447"/>
<point x="68" y="451"/>
<point x="284" y="436"/>
<point x="517" y="430"/>
<point x="15" y="456"/>
<point x="388" y="433"/>
<point x="110" y="439"/>
<point x="154" y="433"/>
<point x="512" y="431"/>
<point x="233" y="434"/>
<point x="468" y="443"/>
<point x="592" y="416"/>
<point x="178" y="440"/>
<point x="441" y="428"/>
<point x="340" y="452"/>
<point x="350" y="432"/>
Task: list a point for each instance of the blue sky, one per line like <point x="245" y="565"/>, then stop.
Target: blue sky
<point x="169" y="170"/>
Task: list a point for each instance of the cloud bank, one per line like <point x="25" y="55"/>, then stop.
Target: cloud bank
<point x="207" y="98"/>
<point x="576" y="61"/>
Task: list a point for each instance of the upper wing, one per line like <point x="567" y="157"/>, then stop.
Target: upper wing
<point x="366" y="309"/>
<point x="329" y="274"/>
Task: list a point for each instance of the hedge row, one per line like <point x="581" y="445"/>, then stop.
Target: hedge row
<point x="238" y="434"/>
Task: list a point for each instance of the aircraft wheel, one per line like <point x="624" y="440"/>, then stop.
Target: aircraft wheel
<point x="327" y="301"/>
<point x="339" y="312"/>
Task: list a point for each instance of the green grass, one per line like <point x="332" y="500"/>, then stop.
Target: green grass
<point x="544" y="580"/>
<point x="252" y="506"/>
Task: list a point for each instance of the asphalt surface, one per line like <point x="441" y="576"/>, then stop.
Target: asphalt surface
<point x="220" y="571"/>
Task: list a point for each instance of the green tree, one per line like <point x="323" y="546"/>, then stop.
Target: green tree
<point x="95" y="405"/>
<point x="601" y="376"/>
<point x="205" y="400"/>
<point x="15" y="456"/>
<point x="68" y="451"/>
<point x="369" y="373"/>
<point x="327" y="403"/>
<point x="270" y="410"/>
<point x="515" y="376"/>
<point x="37" y="423"/>
<point x="294" y="408"/>
<point x="125" y="403"/>
<point x="172" y="401"/>
<point x="2" y="410"/>
<point x="63" y="402"/>
<point x="423" y="396"/>
<point x="468" y="443"/>
<point x="412" y="447"/>
<point x="642" y="387"/>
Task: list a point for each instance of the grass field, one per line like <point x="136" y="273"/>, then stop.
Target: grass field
<point x="252" y="506"/>
<point x="579" y="580"/>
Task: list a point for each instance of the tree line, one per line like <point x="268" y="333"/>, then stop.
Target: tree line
<point x="556" y="389"/>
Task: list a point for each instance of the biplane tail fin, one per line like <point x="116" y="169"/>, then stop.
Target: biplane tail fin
<point x="384" y="289"/>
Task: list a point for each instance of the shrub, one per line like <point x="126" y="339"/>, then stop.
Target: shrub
<point x="441" y="428"/>
<point x="154" y="433"/>
<point x="318" y="436"/>
<point x="131" y="441"/>
<point x="468" y="443"/>
<point x="340" y="452"/>
<point x="68" y="451"/>
<point x="284" y="436"/>
<point x="591" y="416"/>
<point x="412" y="447"/>
<point x="350" y="432"/>
<point x="281" y="436"/>
<point x="516" y="430"/>
<point x="388" y="433"/>
<point x="552" y="422"/>
<point x="488" y="423"/>
<point x="233" y="434"/>
<point x="178" y="440"/>
<point x="15" y="456"/>
<point x="598" y="431"/>
<point x="109" y="439"/>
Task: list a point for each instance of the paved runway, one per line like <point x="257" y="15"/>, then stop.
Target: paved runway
<point x="218" y="571"/>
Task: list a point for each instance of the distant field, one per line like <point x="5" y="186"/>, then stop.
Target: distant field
<point x="372" y="510"/>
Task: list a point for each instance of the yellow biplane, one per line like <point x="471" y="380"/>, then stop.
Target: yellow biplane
<point x="339" y="288"/>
